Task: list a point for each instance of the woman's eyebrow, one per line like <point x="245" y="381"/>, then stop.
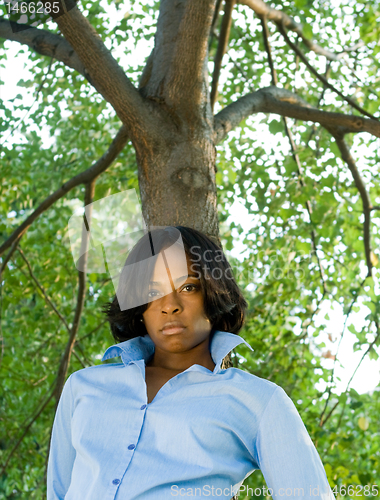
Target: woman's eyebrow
<point x="178" y="279"/>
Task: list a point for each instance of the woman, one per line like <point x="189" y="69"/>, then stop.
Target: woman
<point x="168" y="421"/>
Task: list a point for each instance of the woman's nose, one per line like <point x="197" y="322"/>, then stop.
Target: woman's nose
<point x="171" y="303"/>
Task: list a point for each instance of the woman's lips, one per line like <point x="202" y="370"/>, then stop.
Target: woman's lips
<point x="172" y="330"/>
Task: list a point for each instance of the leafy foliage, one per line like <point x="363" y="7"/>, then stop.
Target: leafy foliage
<point x="294" y="259"/>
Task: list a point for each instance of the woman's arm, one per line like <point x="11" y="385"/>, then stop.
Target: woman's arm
<point x="62" y="453"/>
<point x="287" y="456"/>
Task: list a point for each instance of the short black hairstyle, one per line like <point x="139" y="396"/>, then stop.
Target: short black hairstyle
<point x="224" y="303"/>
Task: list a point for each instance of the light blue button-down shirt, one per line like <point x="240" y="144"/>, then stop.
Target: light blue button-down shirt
<point x="203" y="433"/>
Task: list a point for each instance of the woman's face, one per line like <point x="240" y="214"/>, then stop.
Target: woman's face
<point x="176" y="322"/>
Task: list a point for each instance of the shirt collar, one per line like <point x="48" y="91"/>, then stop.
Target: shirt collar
<point x="143" y="348"/>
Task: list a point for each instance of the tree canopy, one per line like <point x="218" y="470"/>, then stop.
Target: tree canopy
<point x="274" y="104"/>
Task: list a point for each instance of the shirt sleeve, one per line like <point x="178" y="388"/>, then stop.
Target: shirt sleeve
<point x="62" y="452"/>
<point x="287" y="456"/>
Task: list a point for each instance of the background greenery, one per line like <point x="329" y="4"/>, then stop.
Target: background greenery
<point x="69" y="128"/>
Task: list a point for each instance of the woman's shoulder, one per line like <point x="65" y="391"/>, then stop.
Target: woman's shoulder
<point x="96" y="372"/>
<point x="246" y="377"/>
<point x="250" y="385"/>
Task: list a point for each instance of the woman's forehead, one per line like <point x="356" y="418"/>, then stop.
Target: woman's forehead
<point x="172" y="264"/>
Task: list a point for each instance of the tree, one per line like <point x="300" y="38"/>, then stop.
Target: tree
<point x="191" y="147"/>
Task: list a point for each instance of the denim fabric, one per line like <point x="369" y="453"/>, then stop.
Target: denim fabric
<point x="203" y="433"/>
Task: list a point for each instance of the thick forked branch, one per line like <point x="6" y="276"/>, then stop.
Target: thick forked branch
<point x="186" y="86"/>
<point x="262" y="9"/>
<point x="83" y="178"/>
<point x="285" y="103"/>
<point x="222" y="47"/>
<point x="107" y="76"/>
<point x="347" y="157"/>
<point x="45" y="43"/>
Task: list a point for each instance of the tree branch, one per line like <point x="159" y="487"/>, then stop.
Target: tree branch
<point x="352" y="376"/>
<point x="26" y="430"/>
<point x="285" y="103"/>
<point x="222" y="47"/>
<point x="186" y="87"/>
<point x="42" y="290"/>
<point x="294" y="154"/>
<point x="21" y="120"/>
<point x="347" y="157"/>
<point x="8" y="256"/>
<point x="214" y="22"/>
<point x="107" y="76"/>
<point x="45" y="43"/>
<point x="278" y="16"/>
<point x="91" y="332"/>
<point x="268" y="49"/>
<point x="65" y="361"/>
<point x="355" y="298"/>
<point x="85" y="177"/>
<point x="324" y="80"/>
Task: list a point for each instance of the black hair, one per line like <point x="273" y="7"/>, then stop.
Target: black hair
<point x="224" y="303"/>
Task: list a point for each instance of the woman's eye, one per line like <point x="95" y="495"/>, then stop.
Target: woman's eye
<point x="153" y="293"/>
<point x="190" y="287"/>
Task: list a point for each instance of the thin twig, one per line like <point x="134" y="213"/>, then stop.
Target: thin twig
<point x="26" y="429"/>
<point x="42" y="290"/>
<point x="352" y="376"/>
<point x="80" y="348"/>
<point x="78" y="358"/>
<point x="294" y="153"/>
<point x="347" y="157"/>
<point x="268" y="49"/>
<point x="79" y="339"/>
<point x="222" y="47"/>
<point x="355" y="298"/>
<point x="320" y="77"/>
<point x="31" y="106"/>
<point x="279" y="16"/>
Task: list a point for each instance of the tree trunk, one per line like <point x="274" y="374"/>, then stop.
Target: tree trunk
<point x="177" y="183"/>
<point x="177" y="172"/>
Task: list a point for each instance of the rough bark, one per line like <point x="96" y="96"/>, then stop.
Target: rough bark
<point x="177" y="184"/>
<point x="45" y="43"/>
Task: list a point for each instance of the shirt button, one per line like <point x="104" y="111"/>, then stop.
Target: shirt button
<point x="131" y="447"/>
<point x="116" y="481"/>
<point x="143" y="407"/>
